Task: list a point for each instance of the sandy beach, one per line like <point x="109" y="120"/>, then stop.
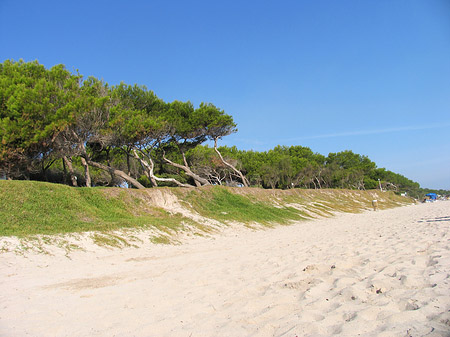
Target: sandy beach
<point x="384" y="273"/>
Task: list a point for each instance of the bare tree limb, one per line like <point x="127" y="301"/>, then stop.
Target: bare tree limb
<point x="199" y="181"/>
<point x="118" y="173"/>
<point x="69" y="165"/>
<point x="151" y="174"/>
<point x="239" y="173"/>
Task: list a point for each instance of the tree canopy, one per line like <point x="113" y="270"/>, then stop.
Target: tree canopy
<point x="57" y="126"/>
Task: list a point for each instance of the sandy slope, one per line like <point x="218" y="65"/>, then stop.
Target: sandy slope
<point x="383" y="273"/>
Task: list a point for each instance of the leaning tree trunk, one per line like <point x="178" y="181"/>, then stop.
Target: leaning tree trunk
<point x="199" y="181"/>
<point x="128" y="165"/>
<point x="318" y="183"/>
<point x="149" y="172"/>
<point x="69" y="165"/>
<point x="118" y="173"/>
<point x="239" y="173"/>
<point x="148" y="168"/>
<point x="84" y="162"/>
<point x="87" y="175"/>
<point x="45" y="167"/>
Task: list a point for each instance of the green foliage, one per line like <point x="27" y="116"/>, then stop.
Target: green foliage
<point x="49" y="114"/>
<point x="190" y="127"/>
<point x="143" y="179"/>
<point x="370" y="183"/>
<point x="296" y="166"/>
<point x="33" y="108"/>
<point x="136" y="117"/>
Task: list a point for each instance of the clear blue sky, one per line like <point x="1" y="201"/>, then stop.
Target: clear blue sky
<point x="368" y="76"/>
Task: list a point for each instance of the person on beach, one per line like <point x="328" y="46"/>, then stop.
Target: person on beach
<point x="375" y="204"/>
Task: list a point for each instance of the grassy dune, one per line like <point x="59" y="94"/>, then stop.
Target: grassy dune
<point x="30" y="208"/>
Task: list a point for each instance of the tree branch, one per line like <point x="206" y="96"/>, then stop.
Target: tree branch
<point x="239" y="173"/>
<point x="199" y="181"/>
<point x="118" y="173"/>
<point x="150" y="166"/>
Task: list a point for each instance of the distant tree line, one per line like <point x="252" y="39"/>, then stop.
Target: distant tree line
<point x="56" y="126"/>
<point x="298" y="167"/>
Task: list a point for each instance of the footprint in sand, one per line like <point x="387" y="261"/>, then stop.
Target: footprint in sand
<point x="408" y="305"/>
<point x="349" y="316"/>
<point x="311" y="316"/>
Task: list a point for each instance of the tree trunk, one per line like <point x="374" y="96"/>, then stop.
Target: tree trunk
<point x="199" y="181"/>
<point x="151" y="175"/>
<point x="118" y="173"/>
<point x="84" y="162"/>
<point x="244" y="180"/>
<point x="128" y="165"/>
<point x="153" y="180"/>
<point x="87" y="175"/>
<point x="64" y="171"/>
<point x="108" y="161"/>
<point x="148" y="168"/>
<point x="318" y="182"/>
<point x="173" y="180"/>
<point x="147" y="173"/>
<point x="73" y="177"/>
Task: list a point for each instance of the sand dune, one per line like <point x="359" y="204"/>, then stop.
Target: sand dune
<point x="384" y="273"/>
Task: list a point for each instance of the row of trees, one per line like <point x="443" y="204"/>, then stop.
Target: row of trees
<point x="297" y="166"/>
<point x="47" y="115"/>
<point x="55" y="126"/>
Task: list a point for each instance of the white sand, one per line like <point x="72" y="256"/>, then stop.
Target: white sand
<point x="384" y="273"/>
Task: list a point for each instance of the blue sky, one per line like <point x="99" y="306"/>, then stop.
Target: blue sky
<point x="368" y="76"/>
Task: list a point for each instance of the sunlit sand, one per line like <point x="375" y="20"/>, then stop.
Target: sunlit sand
<point x="381" y="273"/>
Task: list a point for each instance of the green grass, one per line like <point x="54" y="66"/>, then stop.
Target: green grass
<point x="164" y="240"/>
<point x="220" y="204"/>
<point x="29" y="208"/>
